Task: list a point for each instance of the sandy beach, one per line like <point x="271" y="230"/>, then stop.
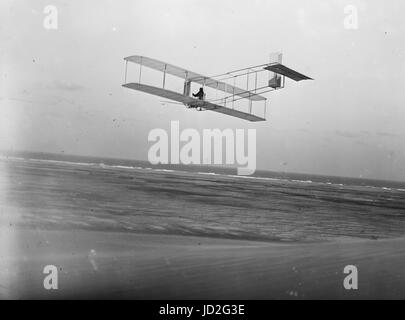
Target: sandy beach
<point x="146" y="234"/>
<point x="133" y="266"/>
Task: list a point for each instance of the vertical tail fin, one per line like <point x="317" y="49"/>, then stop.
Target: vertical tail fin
<point x="274" y="78"/>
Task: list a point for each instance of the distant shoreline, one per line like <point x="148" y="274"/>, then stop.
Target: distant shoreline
<point x="127" y="196"/>
<point x="207" y="169"/>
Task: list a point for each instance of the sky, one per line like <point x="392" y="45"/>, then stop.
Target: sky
<point x="60" y="89"/>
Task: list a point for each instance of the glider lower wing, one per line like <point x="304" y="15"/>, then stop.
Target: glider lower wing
<point x="191" y="101"/>
<point x="289" y="73"/>
<point x="194" y="77"/>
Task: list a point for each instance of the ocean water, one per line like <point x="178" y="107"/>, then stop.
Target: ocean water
<point x="60" y="192"/>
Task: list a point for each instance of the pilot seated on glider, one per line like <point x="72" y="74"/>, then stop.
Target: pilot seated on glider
<point x="200" y="94"/>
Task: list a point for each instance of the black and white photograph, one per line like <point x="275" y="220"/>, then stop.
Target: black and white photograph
<point x="217" y="150"/>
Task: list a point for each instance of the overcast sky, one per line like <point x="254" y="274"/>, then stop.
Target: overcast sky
<point x="61" y="89"/>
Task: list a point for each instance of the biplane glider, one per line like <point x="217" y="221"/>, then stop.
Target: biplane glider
<point x="256" y="81"/>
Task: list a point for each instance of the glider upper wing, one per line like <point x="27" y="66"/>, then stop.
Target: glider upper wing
<point x="194" y="77"/>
